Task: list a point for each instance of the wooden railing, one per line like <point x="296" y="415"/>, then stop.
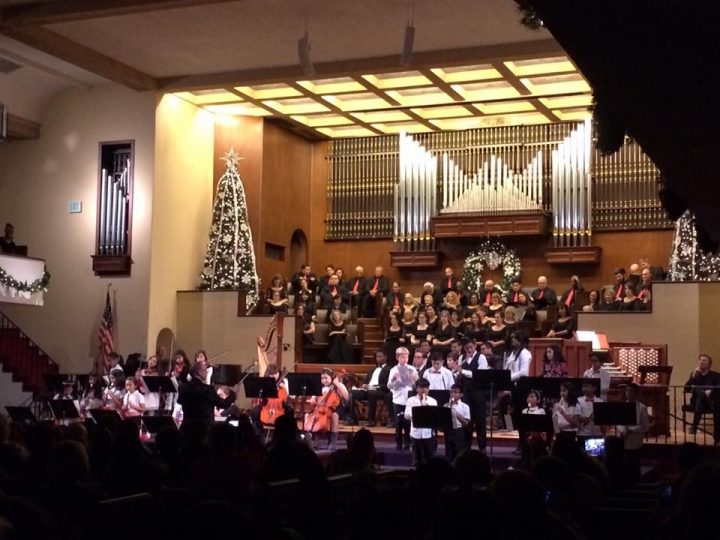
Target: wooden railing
<point x="24" y="358"/>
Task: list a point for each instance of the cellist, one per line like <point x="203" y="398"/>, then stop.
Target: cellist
<point x="271" y="371"/>
<point x="324" y="417"/>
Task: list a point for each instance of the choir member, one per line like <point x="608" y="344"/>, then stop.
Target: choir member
<point x="331" y="291"/>
<point x="449" y="282"/>
<point x="593" y="301"/>
<point x="339" y="352"/>
<point x="564" y="327"/>
<point x="277" y="285"/>
<point x="394" y="336"/>
<point x="324" y="281"/>
<point x="429" y="296"/>
<point x="475" y="330"/>
<point x="543" y="296"/>
<point x="630" y="301"/>
<point x="409" y="306"/>
<point x="395" y="299"/>
<point x="487" y="291"/>
<point x="513" y="296"/>
<point x="376" y="287"/>
<point x="310" y="280"/>
<point x="444" y="333"/>
<point x="356" y="288"/>
<point x="569" y="297"/>
<point x="620" y="283"/>
<point x="308" y="326"/>
<point x="496" y="304"/>
<point x="608" y="301"/>
<point x="497" y="335"/>
<point x="422" y="330"/>
<point x="277" y="304"/>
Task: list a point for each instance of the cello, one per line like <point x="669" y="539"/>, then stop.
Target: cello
<point x="320" y="419"/>
<point x="274" y="407"/>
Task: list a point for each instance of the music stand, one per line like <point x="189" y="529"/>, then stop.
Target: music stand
<point x="580" y="381"/>
<point x="441" y="396"/>
<point x="433" y="417"/>
<point x="549" y="387"/>
<point x="260" y="387"/>
<point x="106" y="418"/>
<point x="21" y="415"/>
<point x="53" y="382"/>
<point x="493" y="380"/>
<point x="309" y="384"/>
<point x="538" y="423"/>
<point x="161" y="384"/>
<point x="64" y="409"/>
<point x="615" y="414"/>
<point x="155" y="424"/>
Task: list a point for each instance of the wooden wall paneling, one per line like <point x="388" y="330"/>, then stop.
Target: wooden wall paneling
<point x="577" y="354"/>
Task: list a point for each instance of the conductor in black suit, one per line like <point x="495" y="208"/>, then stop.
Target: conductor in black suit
<point x="198" y="399"/>
<point x="375" y="286"/>
<point x="543" y="296"/>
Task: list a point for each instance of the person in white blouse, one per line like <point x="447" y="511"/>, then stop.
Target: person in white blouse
<point x="455" y="439"/>
<point x="519" y="359"/>
<point x="635" y="434"/>
<point x="596" y="371"/>
<point x="565" y="411"/>
<point x="401" y="380"/>
<point x="439" y="377"/>
<point x="586" y="426"/>
<point x="133" y="400"/>
<point x="423" y="440"/>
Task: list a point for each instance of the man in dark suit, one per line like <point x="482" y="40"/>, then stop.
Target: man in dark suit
<point x="330" y="291"/>
<point x="374" y="389"/>
<point x="325" y="280"/>
<point x="449" y="283"/>
<point x="620" y="282"/>
<point x="486" y="292"/>
<point x="356" y="288"/>
<point x="375" y="287"/>
<point x="513" y="297"/>
<point x="395" y="299"/>
<point x="198" y="399"/>
<point x="312" y="282"/>
<point x="7" y="243"/>
<point x="543" y="296"/>
<point x="705" y="399"/>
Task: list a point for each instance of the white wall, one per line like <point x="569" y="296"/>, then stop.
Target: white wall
<point x="38" y="178"/>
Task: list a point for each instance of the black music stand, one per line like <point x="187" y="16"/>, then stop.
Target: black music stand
<point x="226" y="374"/>
<point x="549" y="387"/>
<point x="162" y="384"/>
<point x="21" y="415"/>
<point x="538" y="423"/>
<point x="260" y="387"/>
<point x="441" y="396"/>
<point x="308" y="384"/>
<point x="615" y="414"/>
<point x="64" y="409"/>
<point x="492" y="380"/>
<point x="155" y="424"/>
<point x="580" y="381"/>
<point x="107" y="418"/>
<point x="433" y="417"/>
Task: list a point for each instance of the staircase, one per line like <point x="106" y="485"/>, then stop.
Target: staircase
<point x="21" y="357"/>
<point x="374" y="339"/>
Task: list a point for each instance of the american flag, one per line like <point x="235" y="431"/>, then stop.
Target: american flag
<point x="105" y="337"/>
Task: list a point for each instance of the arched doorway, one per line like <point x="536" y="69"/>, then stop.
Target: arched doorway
<point x="298" y="250"/>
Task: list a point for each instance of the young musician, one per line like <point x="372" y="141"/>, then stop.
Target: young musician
<point x="533" y="403"/>
<point x="374" y="390"/>
<point x="133" y="400"/>
<point x="470" y="362"/>
<point x="116" y="390"/>
<point x="401" y="380"/>
<point x="565" y="412"/>
<point x="455" y="440"/>
<point x="254" y="412"/>
<point x="92" y="397"/>
<point x="439" y="377"/>
<point x="334" y="393"/>
<point x="423" y="440"/>
<point x="68" y="391"/>
<point x="202" y="359"/>
<point x="586" y="425"/>
<point x="596" y="371"/>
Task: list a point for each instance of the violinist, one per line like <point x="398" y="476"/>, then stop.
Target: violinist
<point x="201" y="359"/>
<point x="270" y="408"/>
<point x="423" y="440"/>
<point x="324" y="417"/>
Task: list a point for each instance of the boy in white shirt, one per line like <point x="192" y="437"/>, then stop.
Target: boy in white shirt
<point x="586" y="426"/>
<point x="423" y="440"/>
<point x="596" y="371"/>
<point x="401" y="380"/>
<point x="439" y="377"/>
<point x="455" y="439"/>
<point x="133" y="401"/>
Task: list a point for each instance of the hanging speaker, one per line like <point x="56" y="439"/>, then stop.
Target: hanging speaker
<point x="304" y="55"/>
<point x="407" y="51"/>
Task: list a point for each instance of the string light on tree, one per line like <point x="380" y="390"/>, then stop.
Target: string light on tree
<point x="687" y="261"/>
<point x="230" y="260"/>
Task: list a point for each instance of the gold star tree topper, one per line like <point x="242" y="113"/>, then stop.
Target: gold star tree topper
<point x="231" y="158"/>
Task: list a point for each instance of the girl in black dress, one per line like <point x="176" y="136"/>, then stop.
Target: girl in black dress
<point x="475" y="330"/>
<point x="497" y="335"/>
<point x="444" y="334"/>
<point x="394" y="337"/>
<point x="432" y="319"/>
<point x="339" y="352"/>
<point x="422" y="330"/>
<point x="564" y="327"/>
<point x="408" y="323"/>
<point x="457" y="324"/>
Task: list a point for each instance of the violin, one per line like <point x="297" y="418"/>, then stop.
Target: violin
<point x="321" y="417"/>
<point x="274" y="407"/>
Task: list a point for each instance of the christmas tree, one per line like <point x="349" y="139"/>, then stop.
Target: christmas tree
<point x="687" y="261"/>
<point x="230" y="260"/>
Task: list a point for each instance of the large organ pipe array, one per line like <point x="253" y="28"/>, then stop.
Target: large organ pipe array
<point x="415" y="196"/>
<point x="493" y="188"/>
<point x="620" y="192"/>
<point x="114" y="210"/>
<point x="572" y="189"/>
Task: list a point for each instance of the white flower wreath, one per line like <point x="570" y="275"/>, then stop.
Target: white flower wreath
<point x="491" y="253"/>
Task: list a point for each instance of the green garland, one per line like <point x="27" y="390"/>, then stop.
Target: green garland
<point x="23" y="286"/>
<point x="491" y="254"/>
